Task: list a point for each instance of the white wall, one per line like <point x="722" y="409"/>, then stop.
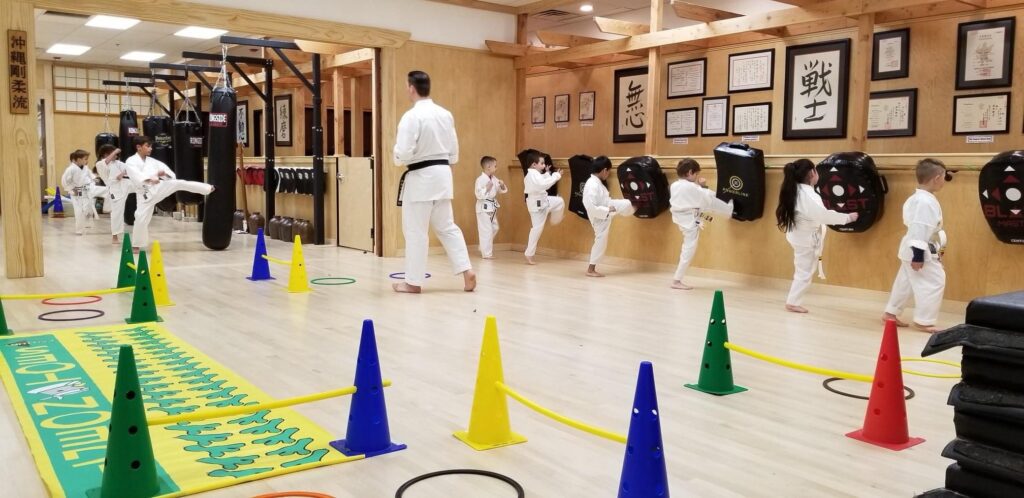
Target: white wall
<point x="430" y="22"/>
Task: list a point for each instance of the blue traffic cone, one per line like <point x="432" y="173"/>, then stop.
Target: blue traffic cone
<point x="368" y="432"/>
<point x="58" y="205"/>
<point x="260" y="265"/>
<point x="643" y="472"/>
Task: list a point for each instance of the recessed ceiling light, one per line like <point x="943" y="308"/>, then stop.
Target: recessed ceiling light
<point x="141" y="56"/>
<point x="586" y="8"/>
<point x="66" y="49"/>
<point x="111" y="22"/>
<point x="200" y="32"/>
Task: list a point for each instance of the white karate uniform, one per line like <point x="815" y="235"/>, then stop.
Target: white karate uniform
<point x="688" y="200"/>
<point x="923" y="217"/>
<point x="540" y="204"/>
<point x="808" y="237"/>
<point x="598" y="204"/>
<point x="117" y="190"/>
<point x="427" y="133"/>
<point x="487" y="211"/>
<point x="77" y="182"/>
<point x="151" y="189"/>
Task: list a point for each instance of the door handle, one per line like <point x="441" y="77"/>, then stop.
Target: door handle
<point x="341" y="178"/>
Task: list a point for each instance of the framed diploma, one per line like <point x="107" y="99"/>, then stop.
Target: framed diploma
<point x="984" y="54"/>
<point x="817" y="84"/>
<point x="981" y="114"/>
<point x="538" y="110"/>
<point x="891" y="55"/>
<point x="687" y="78"/>
<point x="587" y="105"/>
<point x="752" y="119"/>
<point x="562" y="108"/>
<point x="716" y="116"/>
<point x="631" y="112"/>
<point x="892" y="114"/>
<point x="751" y="71"/>
<point x="681" y="122"/>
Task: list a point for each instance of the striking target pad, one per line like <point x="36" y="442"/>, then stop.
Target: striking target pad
<point x="1000" y="191"/>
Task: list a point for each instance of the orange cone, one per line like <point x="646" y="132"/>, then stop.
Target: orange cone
<point x="885" y="423"/>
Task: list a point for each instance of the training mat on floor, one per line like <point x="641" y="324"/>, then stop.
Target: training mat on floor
<point x="60" y="384"/>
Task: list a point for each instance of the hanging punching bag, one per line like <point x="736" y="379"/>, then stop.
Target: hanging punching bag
<point x="220" y="140"/>
<point x="128" y="129"/>
<point x="159" y="129"/>
<point x="105" y="138"/>
<point x="188" y="155"/>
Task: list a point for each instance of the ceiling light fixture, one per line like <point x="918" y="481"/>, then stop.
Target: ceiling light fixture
<point x="200" y="32"/>
<point x="111" y="22"/>
<point x="66" y="49"/>
<point x="586" y="8"/>
<point x="141" y="56"/>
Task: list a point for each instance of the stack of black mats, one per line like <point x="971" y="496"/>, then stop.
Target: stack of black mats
<point x="988" y="404"/>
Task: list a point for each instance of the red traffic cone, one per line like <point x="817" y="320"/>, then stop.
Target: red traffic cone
<point x="885" y="423"/>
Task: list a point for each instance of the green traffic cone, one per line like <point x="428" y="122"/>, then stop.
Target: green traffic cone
<point x="143" y="302"/>
<point x="3" y="322"/>
<point x="126" y="275"/>
<point x="716" y="365"/>
<point x="129" y="470"/>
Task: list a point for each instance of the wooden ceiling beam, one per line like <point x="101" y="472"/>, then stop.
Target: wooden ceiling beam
<point x="618" y="27"/>
<point x="700" y="13"/>
<point x="553" y="39"/>
<point x="479" y="5"/>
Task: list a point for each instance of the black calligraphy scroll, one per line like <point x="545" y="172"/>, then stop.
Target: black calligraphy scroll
<point x="631" y="113"/>
<point x="17" y="70"/>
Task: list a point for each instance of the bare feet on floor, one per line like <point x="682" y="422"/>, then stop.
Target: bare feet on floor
<point x="931" y="329"/>
<point x="890" y="316"/>
<point x="115" y="242"/>
<point x="406" y="288"/>
<point x="678" y="284"/>
<point x="530" y="261"/>
<point x="594" y="273"/>
<point x="469" y="276"/>
<point x="487" y="257"/>
<point x="796" y="309"/>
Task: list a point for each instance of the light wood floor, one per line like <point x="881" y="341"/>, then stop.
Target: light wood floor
<point x="571" y="343"/>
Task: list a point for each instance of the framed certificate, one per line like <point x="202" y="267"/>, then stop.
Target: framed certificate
<point x="687" y="78"/>
<point x="981" y="114"/>
<point x="752" y="119"/>
<point x="716" y="116"/>
<point x="984" y="54"/>
<point x="681" y="122"/>
<point x="562" y="108"/>
<point x="538" y="110"/>
<point x="892" y="114"/>
<point x="751" y="71"/>
<point x="891" y="55"/>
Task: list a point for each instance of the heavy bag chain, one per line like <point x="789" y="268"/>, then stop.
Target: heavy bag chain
<point x="152" y="101"/>
<point x="191" y="110"/>
<point x="222" y="77"/>
<point x="106" y="112"/>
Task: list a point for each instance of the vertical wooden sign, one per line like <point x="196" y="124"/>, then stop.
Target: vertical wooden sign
<point x="17" y="46"/>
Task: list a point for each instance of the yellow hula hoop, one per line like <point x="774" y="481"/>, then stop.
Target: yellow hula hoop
<point x="67" y="294"/>
<point x="597" y="431"/>
<point x="930" y="360"/>
<point x="838" y="373"/>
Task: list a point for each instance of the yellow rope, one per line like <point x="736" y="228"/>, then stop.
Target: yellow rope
<point x="561" y="418"/>
<point x="275" y="260"/>
<point x="238" y="410"/>
<point x="838" y="373"/>
<point x="131" y="265"/>
<point x="68" y="294"/>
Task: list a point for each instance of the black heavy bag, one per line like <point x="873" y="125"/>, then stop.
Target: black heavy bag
<point x="849" y="182"/>
<point x="645" y="185"/>
<point x="1000" y="191"/>
<point x="128" y="129"/>
<point x="220" y="140"/>
<point x="159" y="128"/>
<point x="549" y="166"/>
<point x="188" y="155"/>
<point x="106" y="138"/>
<point x="579" y="169"/>
<point x="741" y="179"/>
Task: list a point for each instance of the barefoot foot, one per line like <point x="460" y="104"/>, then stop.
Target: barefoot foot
<point x="469" y="276"/>
<point x="677" y="284"/>
<point x="530" y="261"/>
<point x="796" y="309"/>
<point x="890" y="316"/>
<point x="406" y="288"/>
<point x="594" y="273"/>
<point x="931" y="329"/>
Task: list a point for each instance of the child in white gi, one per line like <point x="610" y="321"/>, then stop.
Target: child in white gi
<point x="78" y="183"/>
<point x="487" y="189"/>
<point x="115" y="174"/>
<point x="921" y="275"/>
<point x="540" y="205"/>
<point x="802" y="215"/>
<point x="155" y="182"/>
<point x="600" y="209"/>
<point x="690" y="197"/>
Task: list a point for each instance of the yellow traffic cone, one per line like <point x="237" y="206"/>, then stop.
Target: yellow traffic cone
<point x="297" y="279"/>
<point x="159" y="280"/>
<point x="489" y="426"/>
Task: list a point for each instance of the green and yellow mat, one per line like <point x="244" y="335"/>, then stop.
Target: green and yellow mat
<point x="60" y="384"/>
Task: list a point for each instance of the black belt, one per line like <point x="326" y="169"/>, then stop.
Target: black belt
<point x="414" y="167"/>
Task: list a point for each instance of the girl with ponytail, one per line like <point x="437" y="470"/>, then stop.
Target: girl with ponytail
<point x="803" y="217"/>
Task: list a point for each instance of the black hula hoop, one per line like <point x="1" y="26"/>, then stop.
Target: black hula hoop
<point x="49" y="301"/>
<point x="827" y="385"/>
<point x="399" y="275"/>
<point x="46" y="316"/>
<point x="494" y="475"/>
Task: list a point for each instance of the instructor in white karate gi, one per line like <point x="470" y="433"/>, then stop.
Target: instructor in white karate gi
<point x="427" y="147"/>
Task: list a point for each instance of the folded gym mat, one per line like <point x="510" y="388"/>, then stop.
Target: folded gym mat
<point x="977" y="485"/>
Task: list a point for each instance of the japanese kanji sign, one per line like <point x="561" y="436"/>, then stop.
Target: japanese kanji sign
<point x="631" y="113"/>
<point x="17" y="50"/>
<point x="817" y="78"/>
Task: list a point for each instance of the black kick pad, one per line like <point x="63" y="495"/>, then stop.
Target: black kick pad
<point x="1009" y="346"/>
<point x="977" y="485"/>
<point x="741" y="179"/>
<point x="990" y="431"/>
<point x="1001" y="311"/>
<point x="989" y="368"/>
<point x="645" y="185"/>
<point x="848" y="182"/>
<point x="1000" y="192"/>
<point x="990" y="402"/>
<point x="989" y="461"/>
<point x="579" y="168"/>
<point x="941" y="493"/>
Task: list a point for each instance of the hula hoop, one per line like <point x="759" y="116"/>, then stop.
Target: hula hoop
<point x="494" y="475"/>
<point x="294" y="494"/>
<point x="399" y="275"/>
<point x="828" y="387"/>
<point x="46" y="316"/>
<point x="931" y="360"/>
<point x="331" y="281"/>
<point x="49" y="301"/>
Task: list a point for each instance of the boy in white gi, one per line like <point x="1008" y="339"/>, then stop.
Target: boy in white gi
<point x="115" y="174"/>
<point x="487" y="189"/>
<point x="690" y="197"/>
<point x="600" y="209"/>
<point x="921" y="275"/>
<point x="540" y="205"/>
<point x="78" y="183"/>
<point x="154" y="182"/>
